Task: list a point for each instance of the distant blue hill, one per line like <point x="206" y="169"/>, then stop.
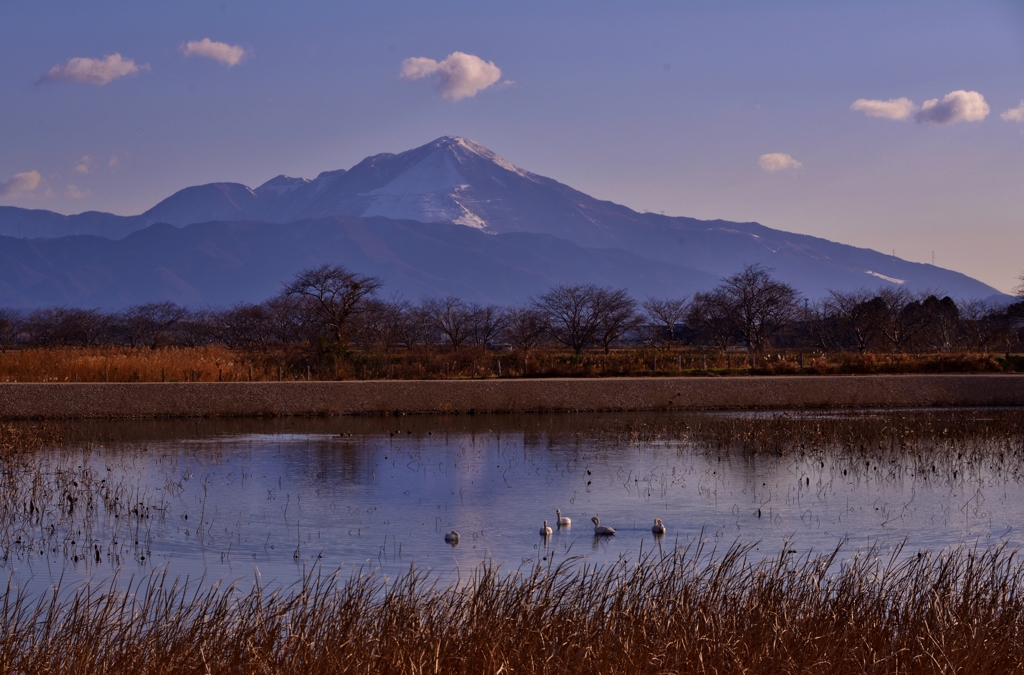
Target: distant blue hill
<point x="221" y="263"/>
<point x="466" y="192"/>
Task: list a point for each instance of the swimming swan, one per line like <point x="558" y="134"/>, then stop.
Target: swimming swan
<point x="452" y="537"/>
<point x="600" y="529"/>
<point x="563" y="521"/>
<point x="659" y="527"/>
<point x="545" y="531"/>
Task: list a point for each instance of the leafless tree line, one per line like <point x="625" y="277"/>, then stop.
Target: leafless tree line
<point x="331" y="310"/>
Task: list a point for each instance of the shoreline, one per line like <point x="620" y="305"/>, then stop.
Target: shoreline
<point x="389" y="397"/>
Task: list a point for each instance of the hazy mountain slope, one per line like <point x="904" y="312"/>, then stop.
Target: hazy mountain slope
<point x="34" y="223"/>
<point x="454" y="180"/>
<point x="222" y="263"/>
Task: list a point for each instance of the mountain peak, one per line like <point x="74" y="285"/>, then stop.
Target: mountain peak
<point x="463" y="147"/>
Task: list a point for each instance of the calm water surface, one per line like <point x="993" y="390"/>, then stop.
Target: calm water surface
<point x="233" y="500"/>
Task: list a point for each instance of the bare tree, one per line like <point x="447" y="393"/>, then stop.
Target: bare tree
<point x="198" y="327"/>
<point x="248" y="326"/>
<point x="823" y="326"/>
<point x="663" y="317"/>
<point x="146" y="325"/>
<point x="905" y="318"/>
<point x="414" y="326"/>
<point x="376" y="325"/>
<point x="9" y="321"/>
<point x="452" y="318"/>
<point x="980" y="326"/>
<point x="617" y="312"/>
<point x="761" y="306"/>
<point x="486" y="323"/>
<point x="572" y="314"/>
<point x="525" y="327"/>
<point x="863" y="315"/>
<point x="333" y="295"/>
<point x="1019" y="289"/>
<point x="942" y="323"/>
<point x="711" y="316"/>
<point x="750" y="305"/>
<point x="68" y="326"/>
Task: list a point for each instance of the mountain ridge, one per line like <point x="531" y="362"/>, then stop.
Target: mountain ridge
<point x="455" y="180"/>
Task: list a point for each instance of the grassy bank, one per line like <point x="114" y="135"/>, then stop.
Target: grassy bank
<point x="689" y="611"/>
<point x="217" y="363"/>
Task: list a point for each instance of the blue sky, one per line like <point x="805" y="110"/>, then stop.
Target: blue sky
<point x="662" y="106"/>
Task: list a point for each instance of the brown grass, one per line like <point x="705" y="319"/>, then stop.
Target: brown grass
<point x="219" y="363"/>
<point x="685" y="612"/>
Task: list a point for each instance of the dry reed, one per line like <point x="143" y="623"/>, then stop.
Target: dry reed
<point x="685" y="612"/>
<point x="220" y="363"/>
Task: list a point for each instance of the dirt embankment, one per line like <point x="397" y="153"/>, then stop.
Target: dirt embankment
<point x="234" y="399"/>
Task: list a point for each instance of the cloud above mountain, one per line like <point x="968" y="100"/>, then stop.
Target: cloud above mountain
<point x="230" y="55"/>
<point x="778" y="161"/>
<point x="86" y="70"/>
<point x="19" y="184"/>
<point x="1014" y="114"/>
<point x="893" y="109"/>
<point x="956" y="106"/>
<point x="457" y="77"/>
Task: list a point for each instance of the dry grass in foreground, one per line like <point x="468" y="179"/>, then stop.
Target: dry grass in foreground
<point x="686" y="612"/>
<point x="214" y="363"/>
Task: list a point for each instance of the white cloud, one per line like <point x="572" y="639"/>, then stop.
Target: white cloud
<point x="20" y="183"/>
<point x="777" y="161"/>
<point x="75" y="193"/>
<point x="956" y="106"/>
<point x="458" y="76"/>
<point x="893" y="109"/>
<point x="1014" y="114"/>
<point x="93" y="71"/>
<point x="231" y="55"/>
<point x="84" y="165"/>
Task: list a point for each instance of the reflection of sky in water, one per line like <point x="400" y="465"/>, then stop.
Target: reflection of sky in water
<point x="278" y="503"/>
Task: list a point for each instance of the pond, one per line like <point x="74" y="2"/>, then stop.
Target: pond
<point x="273" y="499"/>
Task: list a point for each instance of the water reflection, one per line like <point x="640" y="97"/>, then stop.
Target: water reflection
<point x="230" y="500"/>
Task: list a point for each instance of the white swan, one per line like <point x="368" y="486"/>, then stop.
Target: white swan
<point x="563" y="521"/>
<point x="659" y="527"/>
<point x="599" y="529"/>
<point x="452" y="537"/>
<point x="545" y="531"/>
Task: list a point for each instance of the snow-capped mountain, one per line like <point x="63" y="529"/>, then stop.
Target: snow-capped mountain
<point x="459" y="182"/>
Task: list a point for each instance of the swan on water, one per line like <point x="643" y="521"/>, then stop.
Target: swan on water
<point x="600" y="529"/>
<point x="659" y="527"/>
<point x="545" y="531"/>
<point x="452" y="537"/>
<point x="563" y="521"/>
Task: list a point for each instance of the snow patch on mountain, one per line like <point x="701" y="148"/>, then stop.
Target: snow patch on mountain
<point x="892" y="280"/>
<point x="426" y="208"/>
